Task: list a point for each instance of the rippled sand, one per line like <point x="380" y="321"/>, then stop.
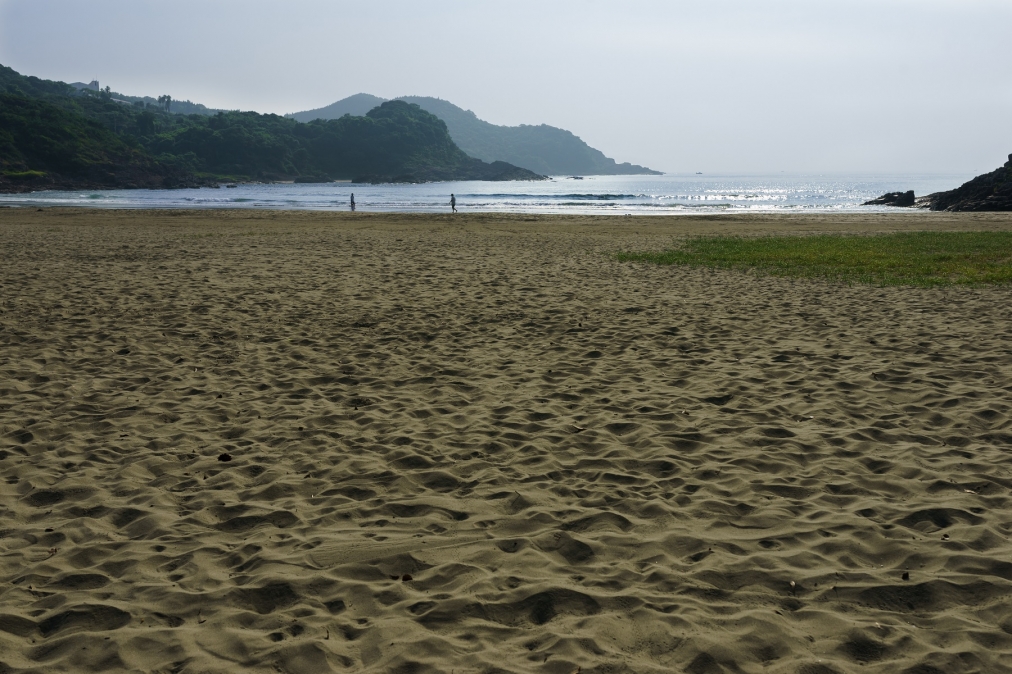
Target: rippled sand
<point x="480" y="444"/>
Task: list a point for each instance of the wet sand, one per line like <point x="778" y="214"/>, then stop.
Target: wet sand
<point x="480" y="444"/>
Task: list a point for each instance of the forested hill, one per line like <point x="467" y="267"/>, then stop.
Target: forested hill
<point x="356" y="106"/>
<point x="396" y="142"/>
<point x="43" y="146"/>
<point x="55" y="136"/>
<point x="543" y="149"/>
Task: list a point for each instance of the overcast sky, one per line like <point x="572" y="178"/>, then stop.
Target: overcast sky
<point x="874" y="87"/>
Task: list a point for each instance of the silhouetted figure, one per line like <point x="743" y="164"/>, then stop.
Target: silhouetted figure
<point x="453" y="203"/>
<point x="352" y="201"/>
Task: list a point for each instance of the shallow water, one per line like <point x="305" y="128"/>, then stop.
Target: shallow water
<point x="639" y="195"/>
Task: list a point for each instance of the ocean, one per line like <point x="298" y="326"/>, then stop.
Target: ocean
<point x="634" y="195"/>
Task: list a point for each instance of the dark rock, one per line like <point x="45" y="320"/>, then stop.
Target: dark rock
<point x="899" y="199"/>
<point x="989" y="192"/>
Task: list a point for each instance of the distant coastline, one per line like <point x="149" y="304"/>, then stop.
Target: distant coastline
<point x="543" y="149"/>
<point x="63" y="136"/>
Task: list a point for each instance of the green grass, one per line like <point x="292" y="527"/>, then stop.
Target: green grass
<point x="916" y="259"/>
<point x="24" y="175"/>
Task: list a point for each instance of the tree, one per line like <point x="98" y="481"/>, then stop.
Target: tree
<point x="166" y="102"/>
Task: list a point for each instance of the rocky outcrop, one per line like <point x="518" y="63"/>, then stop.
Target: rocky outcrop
<point x="989" y="192"/>
<point x="900" y="199"/>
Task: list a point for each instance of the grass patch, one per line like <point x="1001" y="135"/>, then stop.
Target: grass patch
<point x="917" y="258"/>
<point x="24" y="175"/>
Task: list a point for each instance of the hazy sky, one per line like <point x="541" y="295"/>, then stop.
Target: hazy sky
<point x="716" y="86"/>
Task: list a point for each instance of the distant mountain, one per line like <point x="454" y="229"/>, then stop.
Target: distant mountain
<point x="55" y="135"/>
<point x="356" y="106"/>
<point x="543" y="149"/>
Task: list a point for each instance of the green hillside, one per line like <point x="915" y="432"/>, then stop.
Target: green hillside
<point x="53" y="135"/>
<point x="396" y="142"/>
<point x="43" y="146"/>
<point x="543" y="149"/>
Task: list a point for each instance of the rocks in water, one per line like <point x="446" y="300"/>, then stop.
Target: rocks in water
<point x="989" y="192"/>
<point x="901" y="199"/>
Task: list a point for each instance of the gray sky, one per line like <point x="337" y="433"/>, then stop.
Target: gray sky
<point x="879" y="86"/>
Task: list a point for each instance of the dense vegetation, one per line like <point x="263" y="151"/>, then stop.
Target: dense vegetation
<point x="43" y="145"/>
<point x="53" y="135"/>
<point x="395" y="142"/>
<point x="543" y="149"/>
<point x="917" y="259"/>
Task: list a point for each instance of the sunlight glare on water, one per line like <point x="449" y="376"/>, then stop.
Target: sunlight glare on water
<point x="639" y="195"/>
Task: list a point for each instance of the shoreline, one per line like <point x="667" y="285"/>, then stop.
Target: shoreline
<point x="618" y="224"/>
<point x="343" y="209"/>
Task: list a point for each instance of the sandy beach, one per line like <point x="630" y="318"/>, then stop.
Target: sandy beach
<point x="308" y="442"/>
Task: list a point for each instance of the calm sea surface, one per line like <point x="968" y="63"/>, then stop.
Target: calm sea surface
<point x="637" y="195"/>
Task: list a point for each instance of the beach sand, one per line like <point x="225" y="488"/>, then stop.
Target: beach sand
<point x="480" y="444"/>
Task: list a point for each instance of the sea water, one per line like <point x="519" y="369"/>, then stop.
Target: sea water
<point x="634" y="195"/>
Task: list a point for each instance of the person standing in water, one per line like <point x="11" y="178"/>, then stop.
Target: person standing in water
<point x="453" y="203"/>
<point x="352" y="201"/>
